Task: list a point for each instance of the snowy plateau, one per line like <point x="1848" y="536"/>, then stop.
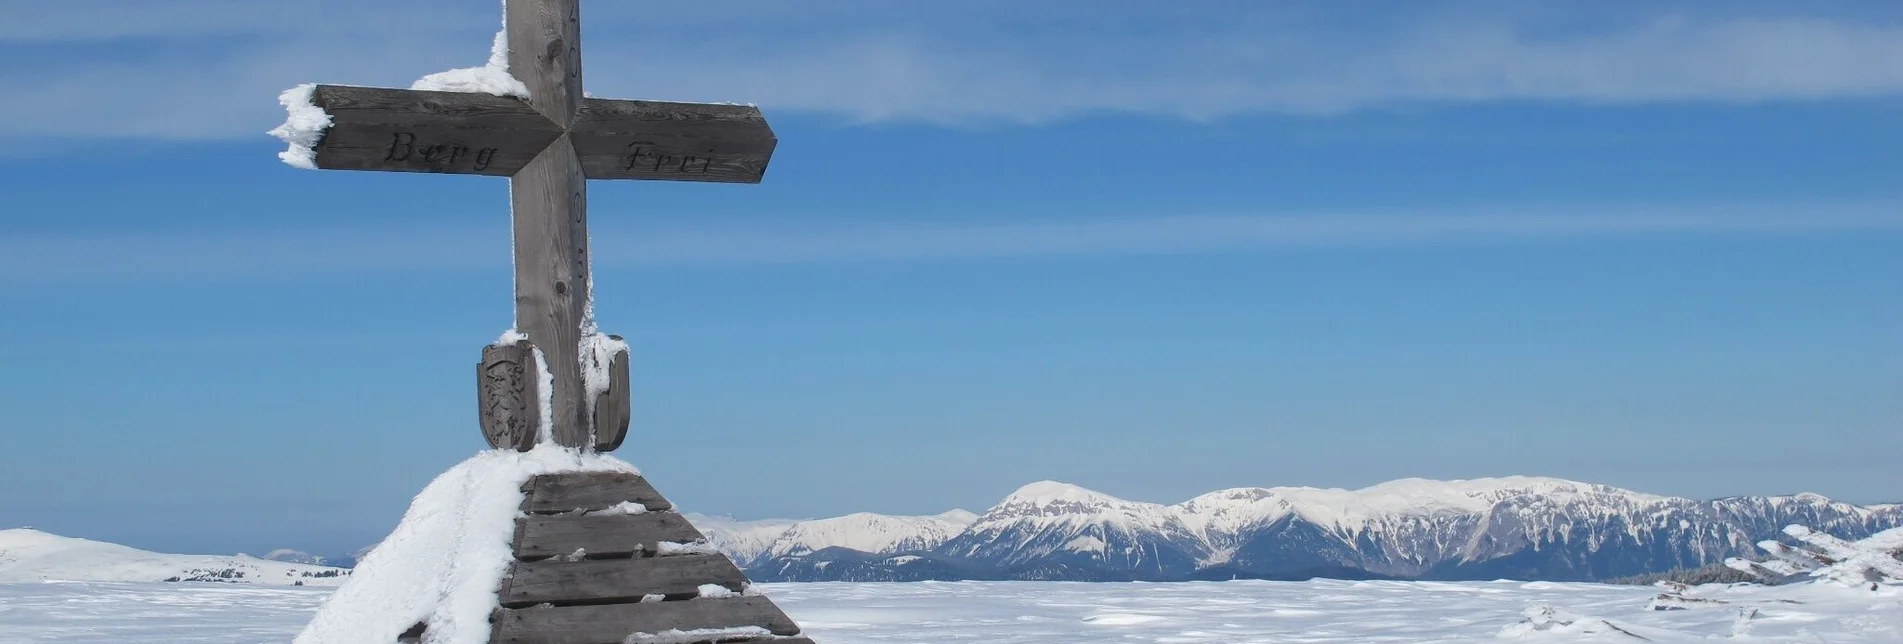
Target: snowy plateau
<point x="1523" y="528"/>
<point x="1232" y="612"/>
<point x="33" y="556"/>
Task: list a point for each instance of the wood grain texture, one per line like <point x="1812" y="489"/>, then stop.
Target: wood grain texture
<point x="557" y="493"/>
<point x="402" y="130"/>
<point x="613" y="409"/>
<point x="541" y="536"/>
<point x="673" y="141"/>
<point x="545" y="54"/>
<point x="603" y="581"/>
<point x="550" y="203"/>
<point x="508" y="396"/>
<point x="610" y="624"/>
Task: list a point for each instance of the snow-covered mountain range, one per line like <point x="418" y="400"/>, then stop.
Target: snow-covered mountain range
<point x="28" y="555"/>
<point x="1514" y="527"/>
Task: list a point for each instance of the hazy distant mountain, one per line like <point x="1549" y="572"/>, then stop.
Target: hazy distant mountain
<point x="288" y="555"/>
<point x="30" y="555"/>
<point x="1516" y="527"/>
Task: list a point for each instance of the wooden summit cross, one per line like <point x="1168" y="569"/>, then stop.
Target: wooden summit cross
<point x="586" y="570"/>
<point x="548" y="146"/>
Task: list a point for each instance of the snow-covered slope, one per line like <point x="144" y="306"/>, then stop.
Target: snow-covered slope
<point x="751" y="542"/>
<point x="288" y="555"/>
<point x="30" y="555"/>
<point x="742" y="541"/>
<point x="1052" y="530"/>
<point x="867" y="532"/>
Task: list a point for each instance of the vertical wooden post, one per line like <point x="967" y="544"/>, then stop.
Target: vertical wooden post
<point x="549" y="198"/>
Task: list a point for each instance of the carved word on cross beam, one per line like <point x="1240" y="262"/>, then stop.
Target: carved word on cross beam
<point x="548" y="146"/>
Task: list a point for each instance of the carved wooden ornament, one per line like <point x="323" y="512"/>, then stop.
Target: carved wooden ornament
<point x="509" y="390"/>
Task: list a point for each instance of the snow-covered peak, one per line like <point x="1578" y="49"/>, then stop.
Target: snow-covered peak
<point x="743" y="541"/>
<point x="960" y="517"/>
<point x="867" y="532"/>
<point x="1052" y="498"/>
<point x="1229" y="511"/>
<point x="750" y="541"/>
<point x="28" y="555"/>
<point x="288" y="555"/>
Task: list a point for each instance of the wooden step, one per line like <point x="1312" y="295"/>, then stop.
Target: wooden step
<point x="597" y="599"/>
<point x="618" y="535"/>
<point x="603" y="581"/>
<point x="610" y="624"/>
<point x="588" y="491"/>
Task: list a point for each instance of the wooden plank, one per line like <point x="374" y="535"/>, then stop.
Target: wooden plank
<point x="556" y="493"/>
<point x="550" y="205"/>
<point x="612" y="408"/>
<point x="550" y="202"/>
<point x="509" y="405"/>
<point x="417" y="131"/>
<point x="673" y="141"/>
<point x="611" y="624"/>
<point x="545" y="54"/>
<point x="546" y="535"/>
<point x="602" y="581"/>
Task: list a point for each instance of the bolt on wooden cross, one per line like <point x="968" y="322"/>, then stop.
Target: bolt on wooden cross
<point x="548" y="146"/>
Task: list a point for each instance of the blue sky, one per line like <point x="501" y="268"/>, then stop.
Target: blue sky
<point x="1151" y="248"/>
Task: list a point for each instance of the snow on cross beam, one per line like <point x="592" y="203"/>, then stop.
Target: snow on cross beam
<point x="401" y="130"/>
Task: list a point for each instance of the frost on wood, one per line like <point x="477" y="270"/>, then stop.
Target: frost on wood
<point x="1870" y="562"/>
<point x="622" y="508"/>
<point x="492" y="78"/>
<point x="304" y="125"/>
<point x="698" y="635"/>
<point x="714" y="591"/>
<point x="676" y="549"/>
<point x="443" y="564"/>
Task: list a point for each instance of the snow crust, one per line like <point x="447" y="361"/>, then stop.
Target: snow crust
<point x="676" y="549"/>
<point x="444" y="562"/>
<point x="677" y="636"/>
<point x="597" y="351"/>
<point x="304" y="125"/>
<point x="1870" y="562"/>
<point x="1315" y="612"/>
<point x="491" y="78"/>
<point x="31" y="556"/>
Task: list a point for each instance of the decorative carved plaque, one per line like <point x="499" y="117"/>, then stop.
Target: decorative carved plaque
<point x="509" y="392"/>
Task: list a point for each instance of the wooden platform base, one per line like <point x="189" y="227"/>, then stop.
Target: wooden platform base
<point x="601" y="557"/>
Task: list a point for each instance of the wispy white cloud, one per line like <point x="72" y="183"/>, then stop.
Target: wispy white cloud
<point x="38" y="258"/>
<point x="175" y="69"/>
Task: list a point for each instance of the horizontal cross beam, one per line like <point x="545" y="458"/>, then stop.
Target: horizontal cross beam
<point x="472" y="133"/>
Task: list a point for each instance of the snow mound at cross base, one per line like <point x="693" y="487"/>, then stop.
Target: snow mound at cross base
<point x="445" y="561"/>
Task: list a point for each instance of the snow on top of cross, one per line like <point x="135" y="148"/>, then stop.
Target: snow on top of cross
<point x="491" y="78"/>
<point x="304" y="125"/>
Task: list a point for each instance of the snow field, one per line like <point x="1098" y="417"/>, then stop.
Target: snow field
<point x="1236" y="612"/>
